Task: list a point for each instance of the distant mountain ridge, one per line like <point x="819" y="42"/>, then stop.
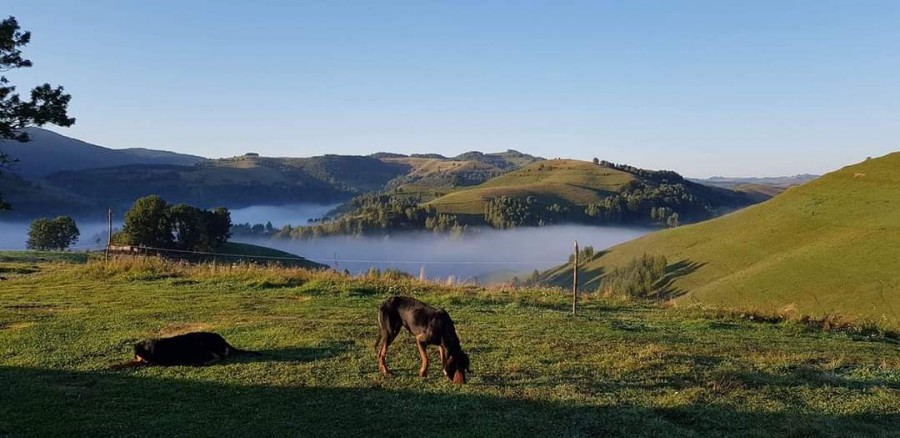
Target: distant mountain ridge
<point x="56" y="174"/>
<point x="49" y="152"/>
<point x="60" y="175"/>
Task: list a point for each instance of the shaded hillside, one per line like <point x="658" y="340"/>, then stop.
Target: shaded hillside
<point x="234" y="182"/>
<point x="49" y="152"/>
<point x="27" y="197"/>
<point x="829" y="246"/>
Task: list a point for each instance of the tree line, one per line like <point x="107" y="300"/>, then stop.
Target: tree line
<point x="376" y="214"/>
<point x="154" y="223"/>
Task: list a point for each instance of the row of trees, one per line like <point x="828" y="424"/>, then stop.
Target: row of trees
<point x="376" y="214"/>
<point x="660" y="176"/>
<point x="257" y="230"/>
<point x="151" y="222"/>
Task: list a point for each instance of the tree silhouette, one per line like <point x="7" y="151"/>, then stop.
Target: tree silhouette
<point x="46" y="105"/>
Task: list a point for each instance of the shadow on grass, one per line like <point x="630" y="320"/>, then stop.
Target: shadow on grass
<point x="804" y="376"/>
<point x="665" y="290"/>
<point x="62" y="403"/>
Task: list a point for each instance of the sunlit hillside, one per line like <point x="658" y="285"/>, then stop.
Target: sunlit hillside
<point x="829" y="246"/>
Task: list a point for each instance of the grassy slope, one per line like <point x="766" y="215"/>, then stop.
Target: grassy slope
<point x="616" y="369"/>
<point x="431" y="176"/>
<point x="264" y="254"/>
<point x="567" y="182"/>
<point x="829" y="246"/>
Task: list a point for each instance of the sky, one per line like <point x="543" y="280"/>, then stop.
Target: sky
<point x="733" y="88"/>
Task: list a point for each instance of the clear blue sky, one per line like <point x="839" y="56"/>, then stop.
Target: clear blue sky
<point x="701" y="87"/>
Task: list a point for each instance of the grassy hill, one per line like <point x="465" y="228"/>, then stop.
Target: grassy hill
<point x="829" y="246"/>
<point x="614" y="370"/>
<point x="433" y="176"/>
<point x="569" y="182"/>
<point x="573" y="184"/>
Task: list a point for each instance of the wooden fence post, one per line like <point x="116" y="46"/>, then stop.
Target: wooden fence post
<point x="109" y="235"/>
<point x="575" y="280"/>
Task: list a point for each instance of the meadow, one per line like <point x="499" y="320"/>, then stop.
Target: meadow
<point x="617" y="368"/>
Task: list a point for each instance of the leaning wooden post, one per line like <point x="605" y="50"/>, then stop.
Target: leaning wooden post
<point x="109" y="235"/>
<point x="575" y="280"/>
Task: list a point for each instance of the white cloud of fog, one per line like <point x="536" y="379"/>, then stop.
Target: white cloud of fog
<point x="473" y="256"/>
<point x="14" y="234"/>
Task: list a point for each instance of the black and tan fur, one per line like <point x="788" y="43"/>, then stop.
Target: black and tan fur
<point x="430" y="326"/>
<point x="198" y="348"/>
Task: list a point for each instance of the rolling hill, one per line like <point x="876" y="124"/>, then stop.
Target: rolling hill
<point x="61" y="175"/>
<point x="571" y="182"/>
<point x="829" y="246"/>
<point x="49" y="152"/>
<point x="234" y="182"/>
<point x="433" y="176"/>
<point x="574" y="184"/>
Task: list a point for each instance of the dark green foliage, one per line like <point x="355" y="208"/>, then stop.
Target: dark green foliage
<point x="147" y="223"/>
<point x="47" y="105"/>
<point x="660" y="176"/>
<point x="637" y="279"/>
<point x="507" y="212"/>
<point x="56" y="234"/>
<point x="378" y="214"/>
<point x="246" y="229"/>
<point x="151" y="222"/>
<point x="662" y="197"/>
<point x="644" y="202"/>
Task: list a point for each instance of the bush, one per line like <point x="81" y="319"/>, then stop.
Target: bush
<point x="637" y="279"/>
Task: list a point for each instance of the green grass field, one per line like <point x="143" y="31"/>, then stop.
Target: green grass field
<point x="616" y="369"/>
<point x="831" y="246"/>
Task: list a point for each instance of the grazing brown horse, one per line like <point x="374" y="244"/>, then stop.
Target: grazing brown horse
<point x="430" y="326"/>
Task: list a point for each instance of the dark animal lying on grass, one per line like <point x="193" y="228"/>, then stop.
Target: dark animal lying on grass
<point x="198" y="348"/>
<point x="430" y="326"/>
